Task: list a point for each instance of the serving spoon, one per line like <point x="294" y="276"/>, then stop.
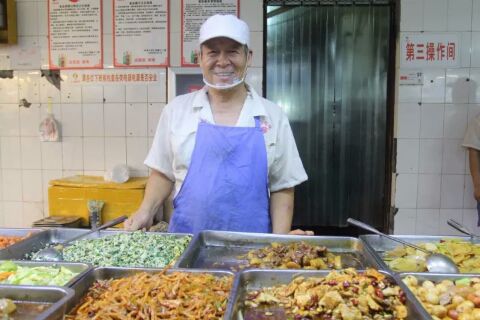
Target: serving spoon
<point x="460" y="227"/>
<point x="436" y="262"/>
<point x="54" y="253"/>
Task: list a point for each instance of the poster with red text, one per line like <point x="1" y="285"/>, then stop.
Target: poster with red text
<point x="140" y="33"/>
<point x="75" y="34"/>
<point x="194" y="13"/>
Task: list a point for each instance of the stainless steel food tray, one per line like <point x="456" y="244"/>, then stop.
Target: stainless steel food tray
<point x="435" y="277"/>
<point x="256" y="279"/>
<point x="39" y="241"/>
<point x="18" y="232"/>
<point x="222" y="250"/>
<point x="81" y="268"/>
<point x="104" y="273"/>
<point x="57" y="296"/>
<point x="378" y="245"/>
<point x="59" y="235"/>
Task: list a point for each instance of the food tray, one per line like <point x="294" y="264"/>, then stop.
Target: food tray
<point x="221" y="249"/>
<point x="378" y="245"/>
<point x="19" y="232"/>
<point x="39" y="241"/>
<point x="59" y="235"/>
<point x="435" y="277"/>
<point x="56" y="296"/>
<point x="104" y="273"/>
<point x="255" y="279"/>
<point x="81" y="268"/>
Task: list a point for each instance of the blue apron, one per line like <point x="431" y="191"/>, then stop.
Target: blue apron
<point x="226" y="187"/>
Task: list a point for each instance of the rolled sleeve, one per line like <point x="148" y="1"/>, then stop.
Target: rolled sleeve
<point x="160" y="156"/>
<point x="287" y="169"/>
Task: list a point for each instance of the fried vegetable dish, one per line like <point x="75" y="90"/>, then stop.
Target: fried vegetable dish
<point x="137" y="249"/>
<point x="177" y="295"/>
<point x="11" y="273"/>
<point x="341" y="295"/>
<point x="465" y="254"/>
<point x="448" y="299"/>
<point x="296" y="255"/>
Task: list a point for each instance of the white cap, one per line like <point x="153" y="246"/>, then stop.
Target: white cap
<point x="228" y="26"/>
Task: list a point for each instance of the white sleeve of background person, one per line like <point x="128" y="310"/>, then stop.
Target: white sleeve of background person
<point x="160" y="156"/>
<point x="472" y="136"/>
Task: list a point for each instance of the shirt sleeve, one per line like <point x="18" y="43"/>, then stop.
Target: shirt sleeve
<point x="287" y="169"/>
<point x="472" y="136"/>
<point x="160" y="156"/>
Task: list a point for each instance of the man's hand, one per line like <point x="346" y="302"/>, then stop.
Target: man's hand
<point x="139" y="220"/>
<point x="300" y="232"/>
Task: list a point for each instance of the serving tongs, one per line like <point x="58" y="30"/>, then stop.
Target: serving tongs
<point x="460" y="227"/>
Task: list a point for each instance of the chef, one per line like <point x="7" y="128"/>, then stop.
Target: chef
<point x="228" y="154"/>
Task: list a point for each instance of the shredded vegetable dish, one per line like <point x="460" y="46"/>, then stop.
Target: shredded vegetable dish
<point x="448" y="299"/>
<point x="465" y="254"/>
<point x="177" y="295"/>
<point x="137" y="249"/>
<point x="341" y="295"/>
<point x="296" y="255"/>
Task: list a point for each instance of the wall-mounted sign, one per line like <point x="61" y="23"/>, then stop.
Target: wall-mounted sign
<point x="439" y="50"/>
<point x="194" y="13"/>
<point x="410" y="77"/>
<point x="112" y="76"/>
<point x="75" y="34"/>
<point x="140" y="33"/>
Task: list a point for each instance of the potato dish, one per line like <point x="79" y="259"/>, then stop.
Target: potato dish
<point x="446" y="299"/>
<point x="341" y="295"/>
<point x="296" y="255"/>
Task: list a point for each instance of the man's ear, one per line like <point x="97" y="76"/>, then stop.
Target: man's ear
<point x="249" y="58"/>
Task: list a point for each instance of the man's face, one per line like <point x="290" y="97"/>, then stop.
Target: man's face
<point x="223" y="59"/>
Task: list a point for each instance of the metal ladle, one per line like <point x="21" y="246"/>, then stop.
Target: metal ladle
<point x="460" y="227"/>
<point x="54" y="253"/>
<point x="436" y="262"/>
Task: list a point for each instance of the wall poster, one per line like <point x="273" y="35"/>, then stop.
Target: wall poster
<point x="75" y="34"/>
<point x="194" y="13"/>
<point x="140" y="33"/>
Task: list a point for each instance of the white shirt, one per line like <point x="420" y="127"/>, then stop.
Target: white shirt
<point x="174" y="140"/>
<point x="472" y="136"/>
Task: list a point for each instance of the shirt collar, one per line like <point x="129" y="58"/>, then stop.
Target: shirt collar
<point x="253" y="102"/>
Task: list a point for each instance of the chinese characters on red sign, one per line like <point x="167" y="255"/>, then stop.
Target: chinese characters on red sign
<point x="426" y="50"/>
<point x="430" y="51"/>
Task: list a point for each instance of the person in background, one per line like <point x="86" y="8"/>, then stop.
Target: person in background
<point x="471" y="141"/>
<point x="228" y="154"/>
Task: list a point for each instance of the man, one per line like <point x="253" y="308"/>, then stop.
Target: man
<point x="229" y="154"/>
<point x="472" y="143"/>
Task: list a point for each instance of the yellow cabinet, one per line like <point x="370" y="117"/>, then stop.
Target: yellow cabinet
<point x="69" y="196"/>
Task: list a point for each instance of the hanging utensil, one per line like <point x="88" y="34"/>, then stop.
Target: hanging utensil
<point x="436" y="262"/>
<point x="460" y="227"/>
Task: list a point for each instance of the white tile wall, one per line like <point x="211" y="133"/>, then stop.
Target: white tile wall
<point x="430" y="159"/>
<point x="429" y="187"/>
<point x="436" y="114"/>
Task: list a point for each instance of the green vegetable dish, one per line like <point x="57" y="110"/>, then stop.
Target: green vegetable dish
<point x="11" y="273"/>
<point x="137" y="249"/>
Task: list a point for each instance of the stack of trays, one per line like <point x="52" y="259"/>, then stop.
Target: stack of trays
<point x="222" y="255"/>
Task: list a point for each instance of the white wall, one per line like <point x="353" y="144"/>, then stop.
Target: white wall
<point x="433" y="183"/>
<point x="101" y="125"/>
